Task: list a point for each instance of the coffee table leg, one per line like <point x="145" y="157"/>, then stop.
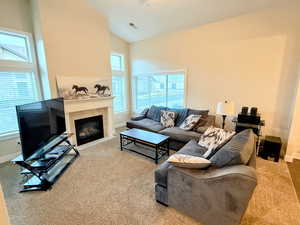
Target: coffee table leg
<point x="156" y="154"/>
<point x="168" y="147"/>
<point x="121" y="142"/>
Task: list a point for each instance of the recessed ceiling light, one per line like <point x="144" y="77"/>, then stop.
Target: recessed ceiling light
<point x="133" y="25"/>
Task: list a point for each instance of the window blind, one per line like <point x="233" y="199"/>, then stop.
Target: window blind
<point x="16" y="88"/>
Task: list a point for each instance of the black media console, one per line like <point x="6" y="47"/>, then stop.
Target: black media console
<point x="45" y="166"/>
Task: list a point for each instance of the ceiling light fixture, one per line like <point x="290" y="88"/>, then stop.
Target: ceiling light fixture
<point x="133" y="25"/>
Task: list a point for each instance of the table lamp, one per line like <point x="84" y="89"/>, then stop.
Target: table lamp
<point x="225" y="109"/>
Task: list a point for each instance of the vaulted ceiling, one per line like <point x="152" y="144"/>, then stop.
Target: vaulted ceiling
<point x="153" y="17"/>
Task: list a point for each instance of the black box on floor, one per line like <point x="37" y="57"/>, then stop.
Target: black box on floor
<point x="271" y="148"/>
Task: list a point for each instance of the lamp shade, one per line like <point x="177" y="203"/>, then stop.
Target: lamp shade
<point x="225" y="108"/>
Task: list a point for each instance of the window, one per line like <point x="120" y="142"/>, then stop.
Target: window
<point x="118" y="82"/>
<point x="166" y="89"/>
<point x="117" y="62"/>
<point x="17" y="77"/>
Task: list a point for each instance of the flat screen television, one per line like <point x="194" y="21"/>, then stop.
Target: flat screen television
<point x="40" y="123"/>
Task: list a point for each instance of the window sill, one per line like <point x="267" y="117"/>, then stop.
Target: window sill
<point x="9" y="136"/>
<point x="122" y="112"/>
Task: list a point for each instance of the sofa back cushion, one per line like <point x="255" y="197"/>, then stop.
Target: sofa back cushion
<point x="237" y="151"/>
<point x="181" y="115"/>
<point x="203" y="113"/>
<point x="204" y="123"/>
<point x="154" y="112"/>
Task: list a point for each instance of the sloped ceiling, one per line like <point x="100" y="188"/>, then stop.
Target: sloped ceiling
<point x="154" y="17"/>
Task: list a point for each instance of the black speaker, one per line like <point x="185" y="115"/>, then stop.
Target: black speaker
<point x="244" y="110"/>
<point x="253" y="111"/>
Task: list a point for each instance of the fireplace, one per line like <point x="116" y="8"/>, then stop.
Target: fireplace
<point x="89" y="129"/>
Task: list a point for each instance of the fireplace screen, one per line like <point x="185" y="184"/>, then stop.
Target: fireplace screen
<point x="89" y="129"/>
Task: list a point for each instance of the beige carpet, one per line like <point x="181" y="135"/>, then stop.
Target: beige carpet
<point x="107" y="186"/>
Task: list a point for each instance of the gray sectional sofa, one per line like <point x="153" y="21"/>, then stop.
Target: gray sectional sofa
<point x="218" y="195"/>
<point x="149" y="120"/>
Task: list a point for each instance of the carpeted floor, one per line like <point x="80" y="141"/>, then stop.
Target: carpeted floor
<point x="107" y="186"/>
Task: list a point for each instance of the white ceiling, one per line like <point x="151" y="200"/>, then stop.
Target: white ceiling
<point x="153" y="17"/>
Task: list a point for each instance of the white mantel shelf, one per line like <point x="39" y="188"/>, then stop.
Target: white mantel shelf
<point x="77" y="105"/>
<point x="88" y="99"/>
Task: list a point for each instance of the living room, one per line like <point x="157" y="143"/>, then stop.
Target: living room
<point x="154" y="77"/>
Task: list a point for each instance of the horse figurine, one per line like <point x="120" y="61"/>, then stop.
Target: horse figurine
<point x="101" y="89"/>
<point x="80" y="89"/>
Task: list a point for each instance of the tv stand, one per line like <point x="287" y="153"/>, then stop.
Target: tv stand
<point x="49" y="165"/>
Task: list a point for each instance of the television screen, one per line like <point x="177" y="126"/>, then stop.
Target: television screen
<point x="39" y="123"/>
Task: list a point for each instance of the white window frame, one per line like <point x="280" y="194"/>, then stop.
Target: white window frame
<point x="19" y="66"/>
<point x="158" y="73"/>
<point x="122" y="73"/>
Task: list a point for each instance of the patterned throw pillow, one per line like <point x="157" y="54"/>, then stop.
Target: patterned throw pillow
<point x="213" y="138"/>
<point x="167" y="118"/>
<point x="188" y="161"/>
<point x="190" y="122"/>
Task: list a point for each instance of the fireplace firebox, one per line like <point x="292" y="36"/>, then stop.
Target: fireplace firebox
<point x="89" y="129"/>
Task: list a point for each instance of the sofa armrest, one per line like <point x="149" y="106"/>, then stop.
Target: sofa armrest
<point x="214" y="196"/>
<point x="140" y="116"/>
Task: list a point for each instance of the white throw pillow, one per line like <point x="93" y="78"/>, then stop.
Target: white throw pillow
<point x="213" y="138"/>
<point x="188" y="161"/>
<point x="190" y="122"/>
<point x="167" y="118"/>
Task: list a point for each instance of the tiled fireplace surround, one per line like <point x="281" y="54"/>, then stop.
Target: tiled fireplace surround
<point x="84" y="108"/>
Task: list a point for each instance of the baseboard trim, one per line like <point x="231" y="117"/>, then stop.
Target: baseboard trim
<point x="119" y="125"/>
<point x="91" y="144"/>
<point x="296" y="155"/>
<point x="290" y="158"/>
<point x="8" y="157"/>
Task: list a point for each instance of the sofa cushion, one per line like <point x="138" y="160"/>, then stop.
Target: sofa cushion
<point x="178" y="134"/>
<point x="237" y="151"/>
<point x="167" y="118"/>
<point x="190" y="122"/>
<point x="188" y="161"/>
<point x="145" y="124"/>
<point x="191" y="148"/>
<point x="154" y="112"/>
<point x="181" y="115"/>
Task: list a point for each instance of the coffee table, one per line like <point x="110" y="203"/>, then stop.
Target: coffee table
<point x="157" y="142"/>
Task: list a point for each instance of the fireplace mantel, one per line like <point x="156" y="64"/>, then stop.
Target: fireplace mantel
<point x="83" y="107"/>
<point x="87" y="104"/>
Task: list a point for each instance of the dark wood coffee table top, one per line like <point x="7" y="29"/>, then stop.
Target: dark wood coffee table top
<point x="146" y="136"/>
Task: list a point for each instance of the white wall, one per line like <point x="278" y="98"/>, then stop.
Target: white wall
<point x="251" y="60"/>
<point x="293" y="147"/>
<point x="15" y="15"/>
<point x="120" y="46"/>
<point x="72" y="40"/>
<point x="76" y="40"/>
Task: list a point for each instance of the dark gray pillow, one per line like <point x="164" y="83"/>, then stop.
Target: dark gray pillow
<point x="237" y="151"/>
<point x="203" y="113"/>
<point x="154" y="112"/>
